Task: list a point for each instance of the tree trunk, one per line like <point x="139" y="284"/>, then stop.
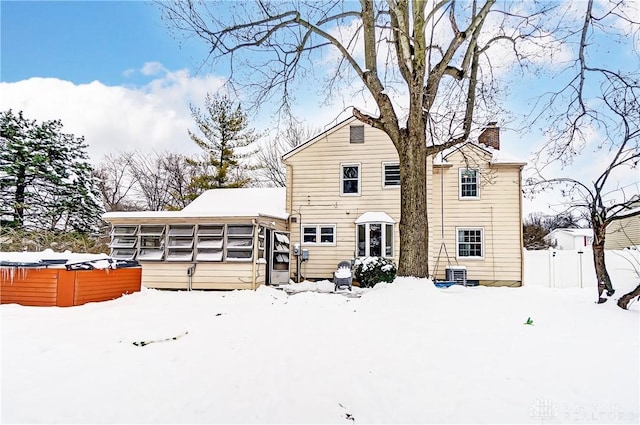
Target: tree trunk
<point x="624" y="300"/>
<point x="604" y="281"/>
<point x="21" y="187"/>
<point x="414" y="225"/>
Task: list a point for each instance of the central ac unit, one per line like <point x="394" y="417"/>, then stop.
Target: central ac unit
<point x="457" y="274"/>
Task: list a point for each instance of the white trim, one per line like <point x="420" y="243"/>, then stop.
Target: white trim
<point x="468" y="198"/>
<point x="322" y="136"/>
<point x="375" y="217"/>
<point x="319" y="234"/>
<point x="384" y="179"/>
<point x="482" y="243"/>
<point x="350" y="164"/>
<point x="383" y="239"/>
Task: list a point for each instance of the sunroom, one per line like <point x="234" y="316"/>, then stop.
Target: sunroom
<point x="225" y="239"/>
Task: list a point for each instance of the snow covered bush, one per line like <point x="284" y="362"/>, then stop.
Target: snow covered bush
<point x="372" y="270"/>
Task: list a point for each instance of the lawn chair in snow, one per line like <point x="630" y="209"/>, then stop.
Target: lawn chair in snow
<point x="342" y="277"/>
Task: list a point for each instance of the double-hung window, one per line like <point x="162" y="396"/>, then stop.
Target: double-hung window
<point x="469" y="183"/>
<point x="390" y="174"/>
<point x="350" y="179"/>
<point x="320" y="234"/>
<point x="469" y="242"/>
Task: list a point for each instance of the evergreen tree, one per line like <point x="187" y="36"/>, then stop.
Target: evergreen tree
<point x="46" y="180"/>
<point x="223" y="131"/>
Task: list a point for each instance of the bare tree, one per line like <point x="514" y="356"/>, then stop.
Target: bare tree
<point x="179" y="175"/>
<point x="116" y="183"/>
<point x="152" y="182"/>
<point x="270" y="168"/>
<point x="425" y="66"/>
<point x="600" y="103"/>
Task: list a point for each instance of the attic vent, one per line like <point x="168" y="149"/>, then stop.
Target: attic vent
<point x="294" y="219"/>
<point x="357" y="134"/>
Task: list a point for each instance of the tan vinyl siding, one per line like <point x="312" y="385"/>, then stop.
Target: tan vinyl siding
<point x="314" y="187"/>
<point x="230" y="275"/>
<point x="623" y="233"/>
<point x="496" y="212"/>
<point x="313" y="178"/>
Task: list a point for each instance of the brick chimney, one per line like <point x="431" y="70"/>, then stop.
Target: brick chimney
<point x="490" y="136"/>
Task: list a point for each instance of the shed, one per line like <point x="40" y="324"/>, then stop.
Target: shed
<point x="570" y="238"/>
<point x="225" y="239"/>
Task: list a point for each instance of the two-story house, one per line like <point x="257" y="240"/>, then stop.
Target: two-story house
<point x="343" y="200"/>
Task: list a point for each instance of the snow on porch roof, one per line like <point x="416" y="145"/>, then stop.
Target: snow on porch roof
<point x="375" y="217"/>
<point x="238" y="202"/>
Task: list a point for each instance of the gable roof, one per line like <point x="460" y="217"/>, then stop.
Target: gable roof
<point x="236" y="202"/>
<point x="318" y="137"/>
<point x="497" y="156"/>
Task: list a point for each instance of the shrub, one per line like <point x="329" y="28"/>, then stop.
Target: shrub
<point x="372" y="270"/>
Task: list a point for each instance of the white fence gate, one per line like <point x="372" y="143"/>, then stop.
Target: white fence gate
<point x="574" y="269"/>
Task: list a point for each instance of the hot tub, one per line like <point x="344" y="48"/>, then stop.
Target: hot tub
<point x="65" y="282"/>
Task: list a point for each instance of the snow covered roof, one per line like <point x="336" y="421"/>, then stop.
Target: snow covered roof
<point x="237" y="202"/>
<point x="375" y="217"/>
<point x="574" y="232"/>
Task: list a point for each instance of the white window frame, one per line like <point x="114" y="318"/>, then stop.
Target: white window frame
<point x="384" y="175"/>
<point x="318" y="234"/>
<point x="460" y="183"/>
<point x="353" y="164"/>
<point x="367" y="239"/>
<point x="482" y="243"/>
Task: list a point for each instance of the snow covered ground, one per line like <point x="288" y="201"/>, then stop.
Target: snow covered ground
<point x="406" y="352"/>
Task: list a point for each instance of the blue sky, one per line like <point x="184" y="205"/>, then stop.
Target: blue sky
<point x="83" y="41"/>
<point x="111" y="71"/>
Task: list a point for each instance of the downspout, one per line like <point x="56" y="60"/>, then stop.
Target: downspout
<point x="255" y="254"/>
<point x="521" y="234"/>
<point x="299" y="256"/>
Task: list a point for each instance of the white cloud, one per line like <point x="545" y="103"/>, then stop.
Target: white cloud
<point x="114" y="118"/>
<point x="153" y="68"/>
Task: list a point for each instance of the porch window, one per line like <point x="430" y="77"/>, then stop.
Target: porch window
<point x="350" y="179"/>
<point x="209" y="242"/>
<point x="124" y="240"/>
<point x="321" y="234"/>
<point x="391" y="174"/>
<point x="469" y="243"/>
<point x="239" y="242"/>
<point x="151" y="242"/>
<point x="375" y="240"/>
<point x="180" y="243"/>
<point x="469" y="184"/>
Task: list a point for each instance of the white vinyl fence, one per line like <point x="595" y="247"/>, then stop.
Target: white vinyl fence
<point x="556" y="268"/>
